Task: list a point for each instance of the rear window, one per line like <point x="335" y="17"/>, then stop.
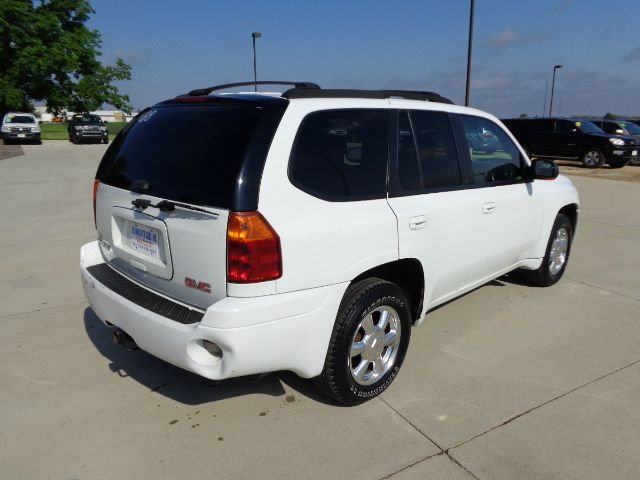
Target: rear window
<point x="193" y="154"/>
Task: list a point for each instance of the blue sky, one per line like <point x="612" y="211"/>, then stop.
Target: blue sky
<point x="177" y="46"/>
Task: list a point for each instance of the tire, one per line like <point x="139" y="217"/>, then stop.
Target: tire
<point x="346" y="378"/>
<point x="556" y="256"/>
<point x="617" y="163"/>
<point x="6" y="142"/>
<point x="105" y="141"/>
<point x="592" y="158"/>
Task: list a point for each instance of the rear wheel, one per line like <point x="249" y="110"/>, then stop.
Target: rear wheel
<point x="368" y="343"/>
<point x="593" y="158"/>
<point x="556" y="256"/>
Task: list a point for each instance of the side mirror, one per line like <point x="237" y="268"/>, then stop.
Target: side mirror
<point x="542" y="169"/>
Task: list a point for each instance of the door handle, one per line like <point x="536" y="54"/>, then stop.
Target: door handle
<point x="489" y="207"/>
<point x="418" y="222"/>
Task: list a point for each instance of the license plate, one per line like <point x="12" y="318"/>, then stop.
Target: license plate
<point x="144" y="240"/>
<point x="634" y="153"/>
<point x="22" y="135"/>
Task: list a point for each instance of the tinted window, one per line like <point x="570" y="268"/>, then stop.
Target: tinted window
<point x="588" y="127"/>
<point x="409" y="174"/>
<point x="494" y="157"/>
<point x="436" y="149"/>
<point x="191" y="154"/>
<point x="545" y="126"/>
<point x="342" y="154"/>
<point x="632" y="128"/>
<point x="564" y="127"/>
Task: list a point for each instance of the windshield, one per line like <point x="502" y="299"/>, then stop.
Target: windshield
<point x="19" y="119"/>
<point x="88" y="119"/>
<point x="588" y="127"/>
<point x="632" y="128"/>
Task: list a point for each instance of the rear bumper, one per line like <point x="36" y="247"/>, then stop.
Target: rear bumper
<point x="289" y="331"/>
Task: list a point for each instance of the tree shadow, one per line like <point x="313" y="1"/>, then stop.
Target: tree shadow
<point x="183" y="386"/>
<point x="10" y="151"/>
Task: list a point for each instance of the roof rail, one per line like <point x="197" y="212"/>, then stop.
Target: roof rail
<point x="208" y="90"/>
<point x="381" y="94"/>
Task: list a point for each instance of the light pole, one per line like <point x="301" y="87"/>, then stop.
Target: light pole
<point x="553" y="85"/>
<point x="255" y="35"/>
<point x="466" y="96"/>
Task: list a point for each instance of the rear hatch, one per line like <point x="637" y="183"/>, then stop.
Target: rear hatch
<point x="167" y="184"/>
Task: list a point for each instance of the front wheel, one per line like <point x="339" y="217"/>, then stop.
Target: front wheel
<point x="556" y="256"/>
<point x="592" y="158"/>
<point x="368" y="343"/>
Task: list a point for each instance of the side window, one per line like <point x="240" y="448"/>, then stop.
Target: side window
<point x="545" y="126"/>
<point x="436" y="149"/>
<point x="342" y="154"/>
<point x="564" y="127"/>
<point x="494" y="157"/>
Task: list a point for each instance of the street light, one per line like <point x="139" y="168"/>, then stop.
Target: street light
<point x="466" y="96"/>
<point x="553" y="85"/>
<point x="255" y="35"/>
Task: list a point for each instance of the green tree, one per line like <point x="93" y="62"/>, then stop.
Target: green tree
<point x="48" y="54"/>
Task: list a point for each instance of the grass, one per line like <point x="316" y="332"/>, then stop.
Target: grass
<point x="58" y="131"/>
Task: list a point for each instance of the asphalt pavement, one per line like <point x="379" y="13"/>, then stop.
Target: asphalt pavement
<point x="507" y="382"/>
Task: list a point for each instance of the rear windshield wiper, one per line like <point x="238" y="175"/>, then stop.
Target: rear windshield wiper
<point x="167" y="206"/>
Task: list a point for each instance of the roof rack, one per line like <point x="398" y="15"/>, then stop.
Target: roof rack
<point x="381" y="94"/>
<point x="297" y="86"/>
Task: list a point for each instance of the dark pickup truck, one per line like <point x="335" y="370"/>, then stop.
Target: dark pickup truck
<point x="566" y="139"/>
<point x="87" y="127"/>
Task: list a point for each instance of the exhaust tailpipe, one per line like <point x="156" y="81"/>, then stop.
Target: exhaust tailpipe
<point x="122" y="338"/>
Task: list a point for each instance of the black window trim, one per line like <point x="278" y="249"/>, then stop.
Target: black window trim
<point x="332" y="198"/>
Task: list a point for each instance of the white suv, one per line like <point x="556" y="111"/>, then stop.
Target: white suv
<point x="311" y="230"/>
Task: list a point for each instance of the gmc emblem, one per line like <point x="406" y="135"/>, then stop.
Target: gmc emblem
<point x="202" y="286"/>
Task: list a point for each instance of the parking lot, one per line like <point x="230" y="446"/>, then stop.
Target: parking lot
<point x="508" y="382"/>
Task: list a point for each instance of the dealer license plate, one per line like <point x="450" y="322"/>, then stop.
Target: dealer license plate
<point x="22" y="135"/>
<point x="634" y="153"/>
<point x="144" y="240"/>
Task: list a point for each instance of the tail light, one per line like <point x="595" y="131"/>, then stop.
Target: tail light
<point x="96" y="184"/>
<point x="253" y="249"/>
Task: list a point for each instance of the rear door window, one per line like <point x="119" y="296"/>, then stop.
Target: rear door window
<point x="341" y="155"/>
<point x="191" y="154"/>
<point x="427" y="155"/>
<point x="495" y="159"/>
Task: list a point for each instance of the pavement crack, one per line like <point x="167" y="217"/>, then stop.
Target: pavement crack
<point x="609" y="224"/>
<point x="603" y="289"/>
<point x="558" y="397"/>
<point x="441" y="452"/>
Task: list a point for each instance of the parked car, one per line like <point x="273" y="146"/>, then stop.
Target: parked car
<point x="621" y="127"/>
<point x="20" y="127"/>
<point x="567" y="139"/>
<point x="310" y="231"/>
<point x="483" y="140"/>
<point x="87" y="127"/>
